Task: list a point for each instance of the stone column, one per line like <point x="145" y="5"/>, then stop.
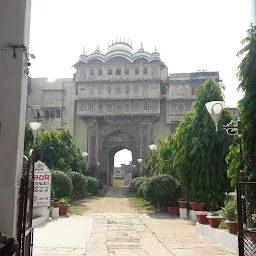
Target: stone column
<point x="14" y="29"/>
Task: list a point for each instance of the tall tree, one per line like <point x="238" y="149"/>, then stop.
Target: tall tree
<point x="199" y="151"/>
<point x="59" y="152"/>
<point x="247" y="106"/>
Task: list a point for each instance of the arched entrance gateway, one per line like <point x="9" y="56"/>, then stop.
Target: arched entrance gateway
<point x="111" y="144"/>
<point x="105" y="139"/>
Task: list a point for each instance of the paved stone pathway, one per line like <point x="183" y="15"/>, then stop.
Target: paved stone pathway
<point x="122" y="234"/>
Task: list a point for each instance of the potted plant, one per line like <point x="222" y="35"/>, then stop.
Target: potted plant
<point x="201" y="217"/>
<point x="174" y="211"/>
<point x="182" y="203"/>
<point x="214" y="219"/>
<point x="196" y="206"/>
<point x="64" y="205"/>
<point x="56" y="203"/>
<point x="230" y="214"/>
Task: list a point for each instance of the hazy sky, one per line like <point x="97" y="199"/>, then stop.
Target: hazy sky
<point x="189" y="34"/>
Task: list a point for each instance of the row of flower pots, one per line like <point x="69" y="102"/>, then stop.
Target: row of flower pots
<point x="206" y="218"/>
<point x="174" y="211"/>
<point x="214" y="221"/>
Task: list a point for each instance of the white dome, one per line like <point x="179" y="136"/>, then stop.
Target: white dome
<point x="120" y="47"/>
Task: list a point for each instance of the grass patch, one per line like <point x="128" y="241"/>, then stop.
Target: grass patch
<point x="78" y="207"/>
<point x="140" y="204"/>
<point x="223" y="225"/>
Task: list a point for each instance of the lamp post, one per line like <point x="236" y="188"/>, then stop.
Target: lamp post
<point x="153" y="148"/>
<point x="98" y="166"/>
<point x="35" y="127"/>
<point x="140" y="161"/>
<point x="215" y="109"/>
<point x="84" y="154"/>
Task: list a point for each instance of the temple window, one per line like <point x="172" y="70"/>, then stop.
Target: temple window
<point x="118" y="71"/>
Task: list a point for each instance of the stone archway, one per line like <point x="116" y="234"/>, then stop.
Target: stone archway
<point x="111" y="144"/>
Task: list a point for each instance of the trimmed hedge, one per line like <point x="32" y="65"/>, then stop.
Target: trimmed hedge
<point x="62" y="184"/>
<point x="142" y="187"/>
<point x="162" y="191"/>
<point x="135" y="183"/>
<point x="93" y="185"/>
<point x="80" y="185"/>
<point x="101" y="184"/>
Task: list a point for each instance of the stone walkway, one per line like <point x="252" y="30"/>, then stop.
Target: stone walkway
<point x="122" y="234"/>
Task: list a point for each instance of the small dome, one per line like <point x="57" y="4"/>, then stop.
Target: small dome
<point x="120" y="46"/>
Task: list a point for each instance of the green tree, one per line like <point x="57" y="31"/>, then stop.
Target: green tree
<point x="199" y="151"/>
<point x="59" y="152"/>
<point x="247" y="106"/>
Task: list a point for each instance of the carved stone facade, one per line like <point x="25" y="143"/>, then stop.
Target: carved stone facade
<point x="121" y="99"/>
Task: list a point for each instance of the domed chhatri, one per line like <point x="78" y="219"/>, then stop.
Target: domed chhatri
<point x="121" y="48"/>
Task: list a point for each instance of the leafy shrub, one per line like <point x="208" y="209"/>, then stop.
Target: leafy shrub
<point x="136" y="183"/>
<point x="101" y="184"/>
<point x="162" y="191"/>
<point x="93" y="185"/>
<point x="142" y="187"/>
<point x="229" y="210"/>
<point x="62" y="184"/>
<point x="80" y="185"/>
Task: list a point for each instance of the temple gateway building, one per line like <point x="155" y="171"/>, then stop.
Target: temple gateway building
<point x="120" y="99"/>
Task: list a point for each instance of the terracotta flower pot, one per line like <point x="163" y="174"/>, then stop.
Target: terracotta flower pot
<point x="252" y="236"/>
<point x="197" y="206"/>
<point x="201" y="217"/>
<point x="174" y="211"/>
<point x="56" y="204"/>
<point x="214" y="221"/>
<point x="51" y="203"/>
<point x="232" y="226"/>
<point x="183" y="204"/>
<point x="64" y="208"/>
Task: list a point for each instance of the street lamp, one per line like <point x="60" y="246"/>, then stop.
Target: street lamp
<point x="84" y="154"/>
<point x="140" y="161"/>
<point x="153" y="147"/>
<point x="35" y="126"/>
<point x="215" y="109"/>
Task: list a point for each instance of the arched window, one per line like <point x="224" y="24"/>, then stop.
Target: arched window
<point x="91" y="72"/>
<point x="46" y="114"/>
<point x="52" y="114"/>
<point x="137" y="71"/>
<point x="127" y="89"/>
<point x="110" y="72"/>
<point x="100" y="72"/>
<point x="118" y="71"/>
<point x="136" y="89"/>
<point x="145" y="71"/>
<point x="57" y="113"/>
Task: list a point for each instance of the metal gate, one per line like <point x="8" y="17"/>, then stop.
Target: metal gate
<point x="26" y="195"/>
<point x="246" y="202"/>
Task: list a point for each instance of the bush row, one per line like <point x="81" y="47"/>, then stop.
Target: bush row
<point x="74" y="185"/>
<point x="161" y="191"/>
